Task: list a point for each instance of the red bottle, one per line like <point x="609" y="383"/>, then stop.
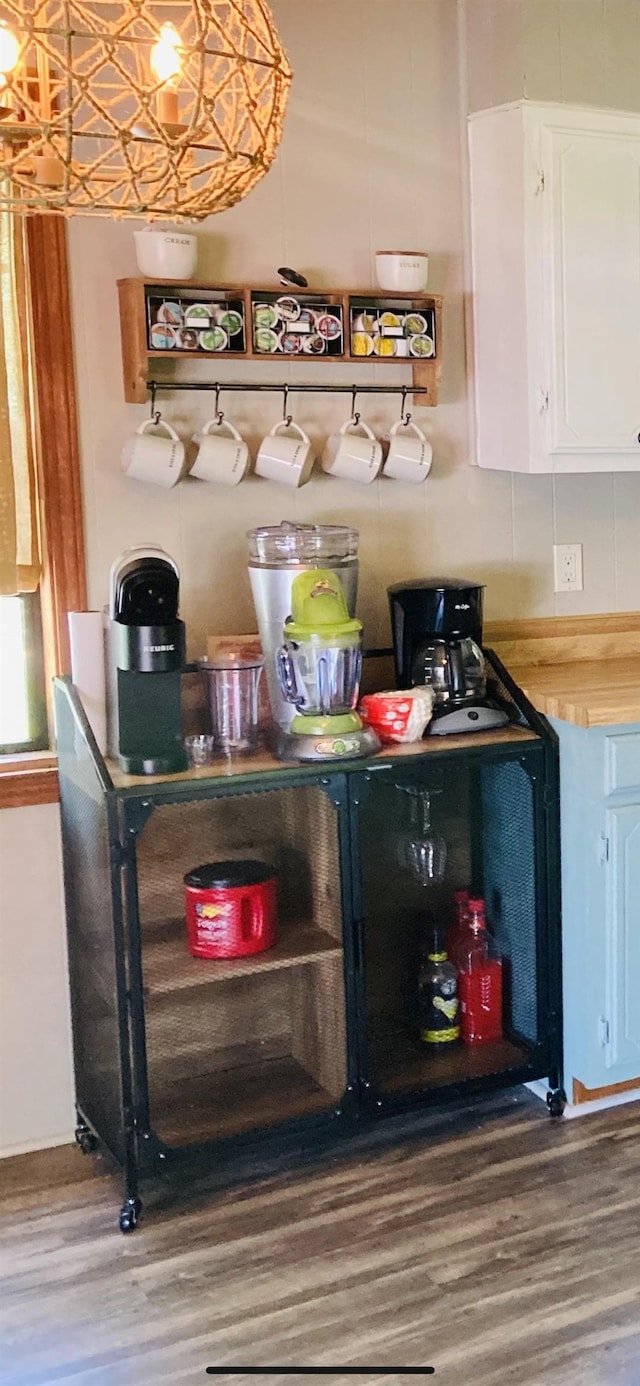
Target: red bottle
<point x="479" y="981"/>
<point x="457" y="932"/>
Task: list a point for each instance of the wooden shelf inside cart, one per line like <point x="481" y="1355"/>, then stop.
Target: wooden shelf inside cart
<point x="398" y="1064"/>
<point x="211" y="1106"/>
<point x="168" y="967"/>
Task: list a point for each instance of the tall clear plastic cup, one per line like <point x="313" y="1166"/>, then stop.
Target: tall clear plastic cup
<point x="233" y="681"/>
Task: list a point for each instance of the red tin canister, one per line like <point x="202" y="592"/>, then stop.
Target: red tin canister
<point x="230" y="909"/>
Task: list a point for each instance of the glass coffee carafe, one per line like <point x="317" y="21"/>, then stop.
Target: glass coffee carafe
<point x="454" y="668"/>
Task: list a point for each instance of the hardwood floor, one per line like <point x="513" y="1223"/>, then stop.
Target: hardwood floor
<point x="502" y="1248"/>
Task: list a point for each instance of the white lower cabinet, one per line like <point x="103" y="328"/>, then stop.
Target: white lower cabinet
<point x="555" y="230"/>
<point x="600" y="834"/>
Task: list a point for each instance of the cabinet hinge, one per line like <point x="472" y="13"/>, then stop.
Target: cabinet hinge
<point x="603" y="1026"/>
<point x="540" y="182"/>
<point x="604" y="849"/>
<point x="543" y="400"/>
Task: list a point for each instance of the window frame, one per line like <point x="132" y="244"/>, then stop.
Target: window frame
<point x="32" y="778"/>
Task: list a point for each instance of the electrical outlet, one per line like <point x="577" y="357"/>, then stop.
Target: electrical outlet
<point x="567" y="567"/>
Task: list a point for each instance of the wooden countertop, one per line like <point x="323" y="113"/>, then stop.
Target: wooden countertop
<point x="588" y="693"/>
<point x="584" y="670"/>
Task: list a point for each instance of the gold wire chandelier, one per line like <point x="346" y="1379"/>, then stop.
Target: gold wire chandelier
<point x="140" y="108"/>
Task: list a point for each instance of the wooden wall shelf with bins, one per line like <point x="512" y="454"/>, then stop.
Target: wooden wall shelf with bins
<point x="245" y="314"/>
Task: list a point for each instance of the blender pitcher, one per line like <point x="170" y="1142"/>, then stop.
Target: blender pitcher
<point x="319" y="665"/>
<point x="278" y="554"/>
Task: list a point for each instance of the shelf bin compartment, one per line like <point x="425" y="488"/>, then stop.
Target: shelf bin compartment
<point x="392" y="328"/>
<point x="243" y="1043"/>
<point x="184" y="319"/>
<point x="487" y="814"/>
<point x="294" y="322"/>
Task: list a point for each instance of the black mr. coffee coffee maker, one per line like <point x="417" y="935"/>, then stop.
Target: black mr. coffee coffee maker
<point x="436" y="625"/>
<point x="145" y="661"/>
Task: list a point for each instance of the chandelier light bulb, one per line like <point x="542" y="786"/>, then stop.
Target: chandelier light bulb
<point x="9" y="48"/>
<point x="165" y="59"/>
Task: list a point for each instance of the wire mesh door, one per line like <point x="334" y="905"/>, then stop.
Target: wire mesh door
<point x="462" y="823"/>
<point x="243" y="1043"/>
<point x="96" y="953"/>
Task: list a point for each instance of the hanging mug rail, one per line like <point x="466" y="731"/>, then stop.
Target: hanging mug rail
<point x="286" y="390"/>
<point x="153" y="386"/>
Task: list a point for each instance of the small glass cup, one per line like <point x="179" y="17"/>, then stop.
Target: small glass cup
<point x="199" y="750"/>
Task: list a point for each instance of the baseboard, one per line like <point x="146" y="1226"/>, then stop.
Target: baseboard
<point x="29" y="1147"/>
<point x="540" y="1089"/>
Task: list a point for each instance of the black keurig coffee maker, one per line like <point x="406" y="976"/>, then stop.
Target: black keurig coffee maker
<point x="436" y="624"/>
<point x="145" y="660"/>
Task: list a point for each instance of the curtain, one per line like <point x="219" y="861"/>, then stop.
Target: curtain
<point x="19" y="527"/>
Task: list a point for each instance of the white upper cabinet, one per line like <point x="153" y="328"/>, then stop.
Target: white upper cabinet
<point x="555" y="218"/>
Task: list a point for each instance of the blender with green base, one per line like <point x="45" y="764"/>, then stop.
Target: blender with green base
<point x="319" y="667"/>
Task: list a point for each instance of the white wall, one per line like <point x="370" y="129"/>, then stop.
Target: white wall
<point x="372" y="157"/>
<point x="369" y="159"/>
<point x="35" y="1072"/>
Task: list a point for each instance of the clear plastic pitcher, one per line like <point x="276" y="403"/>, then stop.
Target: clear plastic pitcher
<point x="277" y="554"/>
<point x="233" y="682"/>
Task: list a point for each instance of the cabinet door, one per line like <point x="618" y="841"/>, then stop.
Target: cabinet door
<point x="485" y="834"/>
<point x="249" y="1042"/>
<point x="592" y="258"/>
<point x="622" y="1025"/>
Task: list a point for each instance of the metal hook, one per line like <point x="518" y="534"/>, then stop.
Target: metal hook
<point x="285" y="396"/>
<point x="356" y="418"/>
<point x="153" y="388"/>
<point x="404" y="400"/>
<point x="407" y="419"/>
<point x="354" y="395"/>
<point x="216" y="407"/>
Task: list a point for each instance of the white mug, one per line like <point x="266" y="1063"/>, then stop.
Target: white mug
<point x="156" y="456"/>
<point x="410" y="454"/>
<point x="221" y="457"/>
<point x="352" y="455"/>
<point x="283" y="457"/>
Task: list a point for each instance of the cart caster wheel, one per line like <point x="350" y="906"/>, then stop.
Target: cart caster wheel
<point x="556" y="1102"/>
<point x="130" y="1215"/>
<point x="86" y="1140"/>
